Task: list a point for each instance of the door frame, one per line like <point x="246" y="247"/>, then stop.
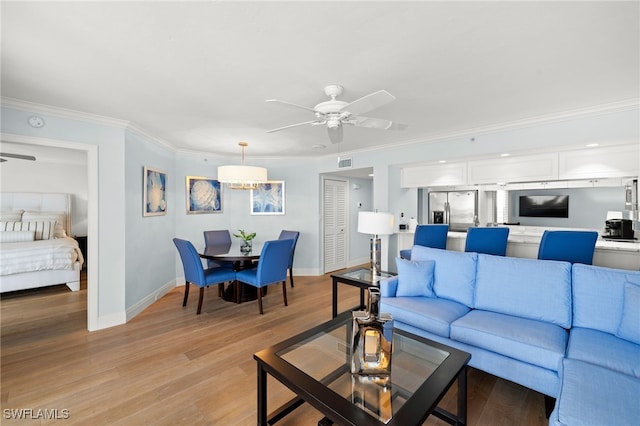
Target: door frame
<point x="93" y="284"/>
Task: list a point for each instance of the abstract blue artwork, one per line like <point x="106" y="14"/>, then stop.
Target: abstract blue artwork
<point x="155" y="192"/>
<point x="268" y="198"/>
<point x="204" y="195"/>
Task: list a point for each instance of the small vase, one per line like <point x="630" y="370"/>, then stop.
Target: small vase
<point x="246" y="247"/>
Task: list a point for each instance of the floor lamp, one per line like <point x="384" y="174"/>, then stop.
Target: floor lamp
<point x="375" y="224"/>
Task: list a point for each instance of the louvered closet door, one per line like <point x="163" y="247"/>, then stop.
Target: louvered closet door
<point x="335" y="225"/>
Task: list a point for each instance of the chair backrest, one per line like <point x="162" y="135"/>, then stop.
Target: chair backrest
<point x="274" y="261"/>
<point x="215" y="238"/>
<point x="193" y="270"/>
<point x="290" y="235"/>
<point x="490" y="240"/>
<point x="570" y="246"/>
<point x="432" y="235"/>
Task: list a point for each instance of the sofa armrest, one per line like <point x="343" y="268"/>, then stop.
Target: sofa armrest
<point x="388" y="286"/>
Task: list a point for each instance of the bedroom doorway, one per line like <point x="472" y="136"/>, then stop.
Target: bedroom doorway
<point x="90" y="155"/>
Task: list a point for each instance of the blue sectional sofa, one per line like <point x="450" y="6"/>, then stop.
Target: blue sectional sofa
<point x="569" y="332"/>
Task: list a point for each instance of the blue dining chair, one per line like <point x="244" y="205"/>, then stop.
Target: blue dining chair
<point x="272" y="268"/>
<point x="569" y="246"/>
<point x="432" y="235"/>
<point x="290" y="235"/>
<point x="194" y="272"/>
<point x="218" y="238"/>
<point x="489" y="240"/>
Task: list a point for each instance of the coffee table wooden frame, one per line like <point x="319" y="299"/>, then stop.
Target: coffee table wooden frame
<point x="337" y="409"/>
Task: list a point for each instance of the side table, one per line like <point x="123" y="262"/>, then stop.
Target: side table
<point x="82" y="242"/>
<point x="358" y="277"/>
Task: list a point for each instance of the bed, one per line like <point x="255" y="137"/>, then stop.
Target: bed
<point x="35" y="247"/>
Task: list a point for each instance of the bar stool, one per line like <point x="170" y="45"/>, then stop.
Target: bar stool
<point x="432" y="235"/>
<point x="568" y="246"/>
<point x="489" y="240"/>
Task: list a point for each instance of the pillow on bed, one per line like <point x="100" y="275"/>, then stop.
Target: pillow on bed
<point x="44" y="230"/>
<point x="59" y="217"/>
<point x="14" y="215"/>
<point x="17" y="236"/>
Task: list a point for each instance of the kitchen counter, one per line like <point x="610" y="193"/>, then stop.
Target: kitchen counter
<point x="524" y="241"/>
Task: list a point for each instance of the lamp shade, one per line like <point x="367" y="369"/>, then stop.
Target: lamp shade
<point x="375" y="223"/>
<point x="242" y="174"/>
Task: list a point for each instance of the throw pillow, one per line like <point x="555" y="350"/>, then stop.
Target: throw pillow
<point x="17" y="236"/>
<point x="629" y="328"/>
<point x="11" y="216"/>
<point x="43" y="229"/>
<point x="415" y="278"/>
<point x="59" y="217"/>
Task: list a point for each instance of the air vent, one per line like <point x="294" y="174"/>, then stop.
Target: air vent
<point x="344" y="163"/>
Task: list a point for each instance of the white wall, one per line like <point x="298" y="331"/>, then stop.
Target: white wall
<point x="40" y="176"/>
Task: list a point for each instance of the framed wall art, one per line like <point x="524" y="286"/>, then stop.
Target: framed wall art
<point x="155" y="192"/>
<point x="268" y="198"/>
<point x="204" y="195"/>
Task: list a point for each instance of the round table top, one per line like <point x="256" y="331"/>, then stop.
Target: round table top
<point x="230" y="252"/>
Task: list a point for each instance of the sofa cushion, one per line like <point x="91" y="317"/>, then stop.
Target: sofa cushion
<point x="591" y="286"/>
<point x="536" y="342"/>
<point x="592" y="395"/>
<point x="528" y="288"/>
<point x="415" y="278"/>
<point x="629" y="327"/>
<point x="604" y="349"/>
<point x="454" y="275"/>
<point x="430" y="314"/>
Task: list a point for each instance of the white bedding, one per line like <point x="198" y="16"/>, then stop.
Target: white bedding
<point x="41" y="255"/>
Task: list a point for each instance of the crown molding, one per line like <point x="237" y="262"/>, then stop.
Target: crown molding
<point x="63" y="112"/>
<point x="609" y="108"/>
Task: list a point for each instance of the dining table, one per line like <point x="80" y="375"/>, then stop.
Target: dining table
<point x="235" y="292"/>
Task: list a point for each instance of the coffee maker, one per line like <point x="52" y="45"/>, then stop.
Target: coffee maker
<point x="619" y="229"/>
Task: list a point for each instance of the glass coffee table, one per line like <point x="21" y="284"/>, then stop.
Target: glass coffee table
<point x="315" y="366"/>
<point x="359" y="277"/>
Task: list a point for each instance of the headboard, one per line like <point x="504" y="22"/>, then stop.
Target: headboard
<point x="38" y="202"/>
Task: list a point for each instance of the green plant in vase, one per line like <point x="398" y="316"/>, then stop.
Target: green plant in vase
<point x="246" y="245"/>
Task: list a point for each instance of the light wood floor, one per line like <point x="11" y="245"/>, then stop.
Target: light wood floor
<point x="168" y="366"/>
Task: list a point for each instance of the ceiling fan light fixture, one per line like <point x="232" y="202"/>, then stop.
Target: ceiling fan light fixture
<point x="241" y="176"/>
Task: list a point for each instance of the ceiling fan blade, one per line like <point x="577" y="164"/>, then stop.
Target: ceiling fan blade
<point x="2" y="160"/>
<point x="376" y="123"/>
<point x="335" y="134"/>
<point x="367" y="103"/>
<point x="291" y="104"/>
<point x="18" y="156"/>
<point x="312" y="122"/>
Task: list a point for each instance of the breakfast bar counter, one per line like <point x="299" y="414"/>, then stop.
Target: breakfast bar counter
<point x="524" y="242"/>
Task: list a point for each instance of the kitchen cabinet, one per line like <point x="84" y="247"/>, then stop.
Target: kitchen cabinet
<point x="434" y="175"/>
<point x="525" y="168"/>
<point x="596" y="183"/>
<point x="596" y="163"/>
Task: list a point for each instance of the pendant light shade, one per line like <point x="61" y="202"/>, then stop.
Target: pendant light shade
<point x="241" y="176"/>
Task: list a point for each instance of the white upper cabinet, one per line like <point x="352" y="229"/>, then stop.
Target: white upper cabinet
<point x="606" y="162"/>
<point x="435" y="175"/>
<point x="526" y="168"/>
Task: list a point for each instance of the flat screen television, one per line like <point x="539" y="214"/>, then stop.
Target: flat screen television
<point x="544" y="206"/>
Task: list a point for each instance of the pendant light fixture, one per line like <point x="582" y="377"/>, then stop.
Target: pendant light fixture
<point x="242" y="177"/>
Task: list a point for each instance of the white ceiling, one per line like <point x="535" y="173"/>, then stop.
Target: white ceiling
<point x="197" y="74"/>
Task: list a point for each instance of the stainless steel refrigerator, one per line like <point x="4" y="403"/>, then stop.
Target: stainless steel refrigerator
<point x="457" y="208"/>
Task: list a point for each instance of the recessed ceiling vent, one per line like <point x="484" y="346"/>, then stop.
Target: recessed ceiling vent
<point x="344" y="163"/>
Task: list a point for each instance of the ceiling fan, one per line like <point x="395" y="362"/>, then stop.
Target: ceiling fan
<point x="334" y="113"/>
<point x="18" y="156"/>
